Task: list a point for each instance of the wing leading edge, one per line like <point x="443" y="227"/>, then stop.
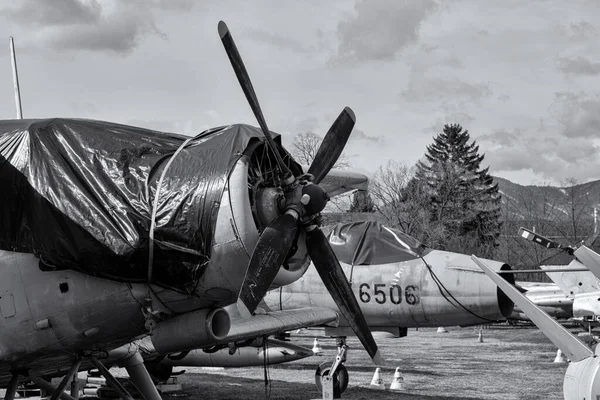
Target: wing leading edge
<point x="279" y="321"/>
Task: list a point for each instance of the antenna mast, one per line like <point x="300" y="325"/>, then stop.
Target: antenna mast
<point x="13" y="60"/>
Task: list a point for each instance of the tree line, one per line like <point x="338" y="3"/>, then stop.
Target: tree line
<point x="449" y="202"/>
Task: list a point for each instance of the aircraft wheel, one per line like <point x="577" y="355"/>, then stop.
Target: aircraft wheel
<point x="340" y="378"/>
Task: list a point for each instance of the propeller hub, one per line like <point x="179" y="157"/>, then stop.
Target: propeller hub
<point x="314" y="198"/>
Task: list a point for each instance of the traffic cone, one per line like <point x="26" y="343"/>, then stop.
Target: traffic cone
<point x="317" y="350"/>
<point x="377" y="382"/>
<point x="560" y="357"/>
<point x="442" y="329"/>
<point x="397" y="381"/>
<point x="480" y="335"/>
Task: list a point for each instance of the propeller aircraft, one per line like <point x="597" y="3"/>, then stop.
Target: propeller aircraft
<point x="112" y="232"/>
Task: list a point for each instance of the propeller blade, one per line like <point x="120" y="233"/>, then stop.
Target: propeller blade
<point x="338" y="286"/>
<point x="332" y="145"/>
<point x="270" y="252"/>
<point x="246" y="84"/>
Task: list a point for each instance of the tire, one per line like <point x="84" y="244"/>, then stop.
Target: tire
<point x="340" y="378"/>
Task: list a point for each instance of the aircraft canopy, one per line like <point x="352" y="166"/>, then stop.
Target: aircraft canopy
<point x="370" y="242"/>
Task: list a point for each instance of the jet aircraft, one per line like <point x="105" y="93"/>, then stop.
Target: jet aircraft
<point x="111" y="233"/>
<point x="548" y="296"/>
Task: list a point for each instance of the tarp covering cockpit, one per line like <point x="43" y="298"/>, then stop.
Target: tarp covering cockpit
<point x="370" y="242"/>
<point x="79" y="195"/>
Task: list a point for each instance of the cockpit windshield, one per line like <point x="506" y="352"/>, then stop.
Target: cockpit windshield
<point x="370" y="242"/>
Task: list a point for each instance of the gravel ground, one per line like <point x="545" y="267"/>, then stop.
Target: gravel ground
<point x="510" y="364"/>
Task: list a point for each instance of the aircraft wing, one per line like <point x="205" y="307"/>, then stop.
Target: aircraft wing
<point x="338" y="182"/>
<point x="278" y="321"/>
<point x="572" y="347"/>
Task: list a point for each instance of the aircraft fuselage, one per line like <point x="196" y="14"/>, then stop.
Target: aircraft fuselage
<point x="406" y="295"/>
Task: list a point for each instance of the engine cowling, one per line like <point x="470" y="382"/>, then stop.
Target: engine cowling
<point x="191" y="331"/>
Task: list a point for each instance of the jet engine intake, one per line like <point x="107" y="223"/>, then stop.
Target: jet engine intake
<point x="191" y="331"/>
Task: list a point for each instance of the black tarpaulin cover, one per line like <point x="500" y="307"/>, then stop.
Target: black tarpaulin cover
<point x="78" y="194"/>
<point x="370" y="242"/>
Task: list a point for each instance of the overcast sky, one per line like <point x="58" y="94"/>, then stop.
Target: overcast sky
<point x="522" y="76"/>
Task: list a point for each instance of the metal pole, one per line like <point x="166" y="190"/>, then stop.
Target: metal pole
<point x="49" y="387"/>
<point x="141" y="378"/>
<point x="540" y="271"/>
<point x="13" y="60"/>
<point x="112" y="381"/>
<point x="595" y="220"/>
<point x="11" y="390"/>
<point x="61" y="387"/>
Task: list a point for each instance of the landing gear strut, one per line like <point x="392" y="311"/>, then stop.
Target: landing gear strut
<point x="336" y="372"/>
<point x="135" y="368"/>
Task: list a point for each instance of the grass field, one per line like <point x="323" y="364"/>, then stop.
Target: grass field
<point x="510" y="364"/>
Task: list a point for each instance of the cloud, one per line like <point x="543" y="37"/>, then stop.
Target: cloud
<point x="360" y="135"/>
<point x="461" y="118"/>
<point x="579" y="30"/>
<point x="422" y="88"/>
<point x="281" y="42"/>
<point x="72" y="25"/>
<point x="578" y="114"/>
<point x="546" y="154"/>
<point x="38" y="13"/>
<point x="578" y="66"/>
<point x="380" y="29"/>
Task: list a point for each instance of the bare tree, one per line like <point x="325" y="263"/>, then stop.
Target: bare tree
<point x="305" y="147"/>
<point x="401" y="202"/>
<point x="578" y="227"/>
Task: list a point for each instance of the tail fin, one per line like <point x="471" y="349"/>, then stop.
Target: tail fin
<point x="589" y="258"/>
<point x="572" y="283"/>
<point x="573" y="348"/>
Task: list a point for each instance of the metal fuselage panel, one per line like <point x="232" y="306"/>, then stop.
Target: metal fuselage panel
<point x="586" y="305"/>
<point x="45" y="315"/>
<point x="405" y="294"/>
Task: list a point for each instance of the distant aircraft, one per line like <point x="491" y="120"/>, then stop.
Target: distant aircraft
<point x="577" y="280"/>
<point x="112" y="232"/>
<point x="582" y="379"/>
<point x="581" y="287"/>
<point x="547" y="296"/>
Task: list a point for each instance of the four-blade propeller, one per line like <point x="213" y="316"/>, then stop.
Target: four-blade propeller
<point x="304" y="200"/>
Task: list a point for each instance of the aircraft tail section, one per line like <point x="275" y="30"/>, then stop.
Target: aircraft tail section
<point x="590" y="259"/>
<point x="572" y="283"/>
<point x="572" y="347"/>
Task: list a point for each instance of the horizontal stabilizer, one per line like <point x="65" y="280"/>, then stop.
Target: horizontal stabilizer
<point x="589" y="258"/>
<point x="572" y="282"/>
<point x="278" y="321"/>
<point x="574" y="349"/>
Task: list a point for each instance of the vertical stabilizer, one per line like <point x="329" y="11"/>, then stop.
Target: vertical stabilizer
<point x="13" y="60"/>
<point x="589" y="258"/>
<point x="573" y="348"/>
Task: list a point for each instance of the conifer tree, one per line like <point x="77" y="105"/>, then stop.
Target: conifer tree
<point x="362" y="202"/>
<point x="463" y="197"/>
